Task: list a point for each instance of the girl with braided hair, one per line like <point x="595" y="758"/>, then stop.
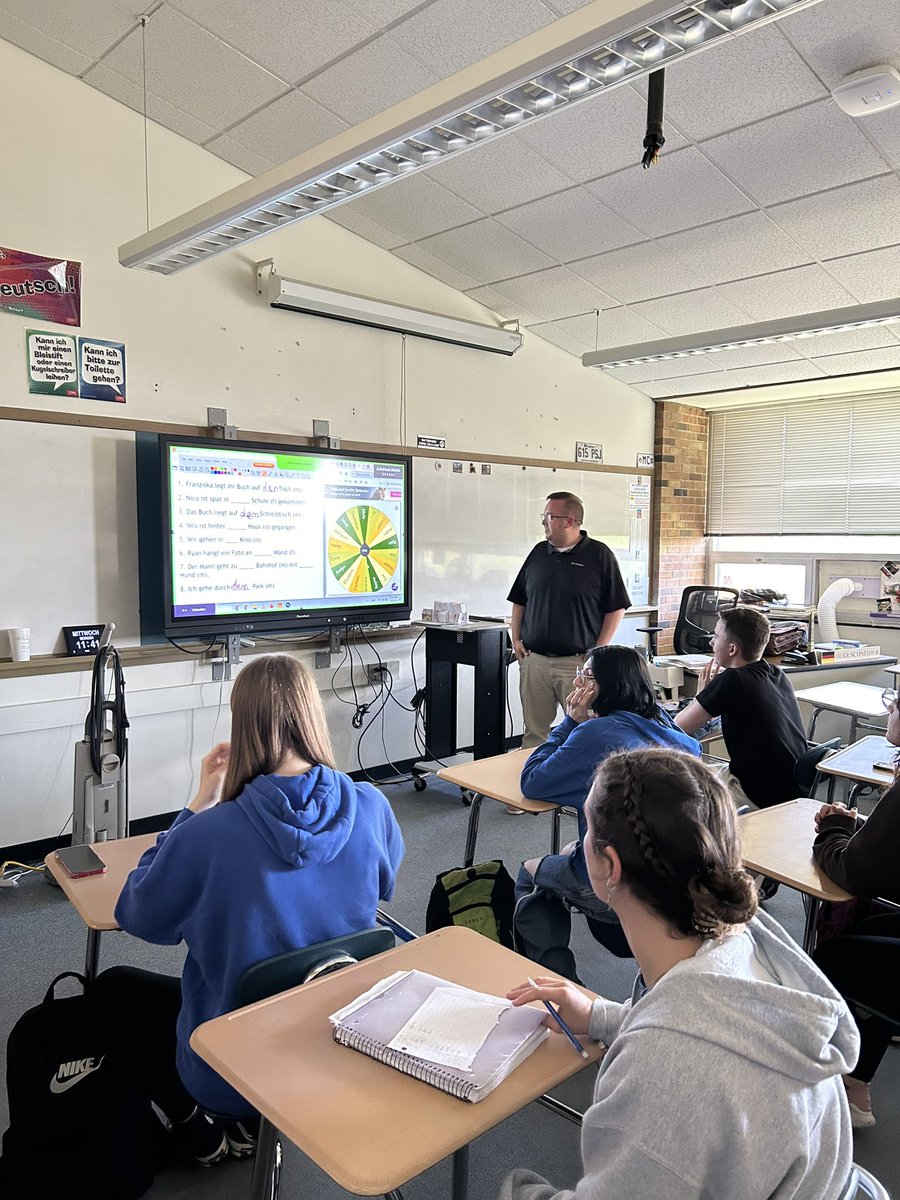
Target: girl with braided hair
<point x="723" y="1074"/>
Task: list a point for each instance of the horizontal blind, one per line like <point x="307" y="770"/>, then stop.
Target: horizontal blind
<point x="827" y="466"/>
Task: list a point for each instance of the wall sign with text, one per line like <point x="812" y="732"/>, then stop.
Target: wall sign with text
<point x="45" y="289"/>
<point x="588" y="452"/>
<point x="62" y="365"/>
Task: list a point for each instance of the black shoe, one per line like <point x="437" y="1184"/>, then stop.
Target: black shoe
<point x="241" y="1136"/>
<point x="767" y="888"/>
<point x="200" y="1137"/>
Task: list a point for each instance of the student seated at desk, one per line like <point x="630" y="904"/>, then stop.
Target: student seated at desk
<point x="861" y="856"/>
<point x="722" y="1077"/>
<point x="761" y="721"/>
<point x="613" y="707"/>
<point x="277" y="850"/>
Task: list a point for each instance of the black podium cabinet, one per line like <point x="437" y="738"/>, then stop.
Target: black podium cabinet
<point x="484" y="647"/>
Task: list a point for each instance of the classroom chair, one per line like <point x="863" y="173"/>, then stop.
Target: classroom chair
<point x="805" y="774"/>
<point x="862" y="1185"/>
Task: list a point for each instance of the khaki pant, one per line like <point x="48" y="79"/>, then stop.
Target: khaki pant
<point x="544" y="684"/>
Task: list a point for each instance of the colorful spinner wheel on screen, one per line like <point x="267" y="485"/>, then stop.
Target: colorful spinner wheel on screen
<point x="363" y="549"/>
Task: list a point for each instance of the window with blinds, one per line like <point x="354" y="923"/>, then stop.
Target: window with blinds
<point x="828" y="466"/>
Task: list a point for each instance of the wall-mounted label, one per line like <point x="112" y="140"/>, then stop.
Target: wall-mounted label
<point x="645" y="460"/>
<point x="431" y="443"/>
<point x="52" y="363"/>
<point x="639" y="495"/>
<point x="46" y="289"/>
<point x="588" y="452"/>
<point x="101" y="370"/>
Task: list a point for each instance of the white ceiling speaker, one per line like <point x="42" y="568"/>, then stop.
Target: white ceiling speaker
<point x="869" y="91"/>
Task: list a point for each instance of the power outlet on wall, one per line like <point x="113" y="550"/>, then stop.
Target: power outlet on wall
<point x="383" y="672"/>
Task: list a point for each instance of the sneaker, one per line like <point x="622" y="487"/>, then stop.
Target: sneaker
<point x="241" y="1136"/>
<point x="767" y="888"/>
<point x="861" y="1118"/>
<point x="512" y="811"/>
<point x="200" y="1137"/>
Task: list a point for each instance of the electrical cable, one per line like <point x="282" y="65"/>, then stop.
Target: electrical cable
<point x="654" y="139"/>
<point x="108" y="656"/>
<point x="184" y="650"/>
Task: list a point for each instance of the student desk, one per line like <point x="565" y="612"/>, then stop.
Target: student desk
<point x="777" y="841"/>
<point x="498" y="778"/>
<point x="371" y="1128"/>
<point x="860" y="702"/>
<point x="94" y="896"/>
<point x="856" y="763"/>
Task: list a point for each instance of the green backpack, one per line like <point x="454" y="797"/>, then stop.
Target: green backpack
<point x="481" y="897"/>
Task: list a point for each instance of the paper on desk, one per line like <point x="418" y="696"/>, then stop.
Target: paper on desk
<point x="374" y="991"/>
<point x="450" y="1027"/>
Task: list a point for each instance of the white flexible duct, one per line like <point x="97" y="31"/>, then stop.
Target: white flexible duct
<point x="828" y="602"/>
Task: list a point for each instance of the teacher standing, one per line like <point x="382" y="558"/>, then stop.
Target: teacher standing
<point x="567" y="598"/>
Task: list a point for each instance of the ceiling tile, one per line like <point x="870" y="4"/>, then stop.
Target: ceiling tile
<point x="453" y="34"/>
<point x="621" y="327"/>
<point x="637" y="272"/>
<point x="126" y="91"/>
<point x="718" y="381"/>
<point x="500" y="174"/>
<point x="552" y="294"/>
<point x="596" y="136"/>
<point x="571" y="224"/>
<point x="691" y="312"/>
<point x="741" y="80"/>
<point x="415" y="207"/>
<point x="703" y="364"/>
<point x="238" y="155"/>
<point x="486" y="251"/>
<point x="575" y="334"/>
<point x="382" y="12"/>
<point x="884" y="130"/>
<point x="847" y="220"/>
<point x="850" y="342"/>
<point x="796" y="153"/>
<point x="867" y="360"/>
<point x="871" y="276"/>
<point x="286" y="127"/>
<point x="349" y="216"/>
<point x="788" y="372"/>
<point x="88" y="28"/>
<point x="843" y="36"/>
<point x="41" y="44"/>
<point x="656" y="391"/>
<point x="787" y="293"/>
<point x="732" y="249"/>
<point x="683" y="191"/>
<point x="564" y="7"/>
<point x="226" y="88"/>
<point x="292" y="40"/>
<point x="369" y="80"/>
<point x="426" y="262"/>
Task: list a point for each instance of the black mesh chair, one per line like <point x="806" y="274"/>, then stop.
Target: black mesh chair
<point x="700" y="608"/>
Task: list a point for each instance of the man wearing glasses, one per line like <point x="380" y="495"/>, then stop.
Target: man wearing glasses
<point x="568" y="597"/>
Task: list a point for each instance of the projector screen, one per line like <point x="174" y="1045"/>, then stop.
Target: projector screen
<point x="257" y="536"/>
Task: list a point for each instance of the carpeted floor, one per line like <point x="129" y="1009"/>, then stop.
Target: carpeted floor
<point x="42" y="935"/>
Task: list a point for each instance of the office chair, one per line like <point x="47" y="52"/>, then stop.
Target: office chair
<point x="700" y="608"/>
<point x="278" y="974"/>
<point x="862" y="1185"/>
<point x="805" y="772"/>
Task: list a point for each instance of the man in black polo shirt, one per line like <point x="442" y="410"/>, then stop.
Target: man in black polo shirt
<point x="761" y="721"/>
<point x="568" y="597"/>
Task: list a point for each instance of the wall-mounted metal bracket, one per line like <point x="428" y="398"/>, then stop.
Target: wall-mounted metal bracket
<point x="217" y="420"/>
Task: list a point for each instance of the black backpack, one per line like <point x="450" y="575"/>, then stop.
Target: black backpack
<point x="78" y="1124"/>
<point x="482" y="897"/>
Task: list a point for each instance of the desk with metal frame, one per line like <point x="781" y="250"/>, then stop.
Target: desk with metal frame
<point x="497" y="778"/>
<point x="856" y="763"/>
<point x="777" y="842"/>
<point x="369" y="1127"/>
<point x="94" y="896"/>
<point x="859" y="701"/>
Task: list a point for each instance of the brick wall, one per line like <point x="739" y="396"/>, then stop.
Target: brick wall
<point x="678" y="549"/>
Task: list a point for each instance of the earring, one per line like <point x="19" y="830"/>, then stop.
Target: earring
<point x="611" y="889"/>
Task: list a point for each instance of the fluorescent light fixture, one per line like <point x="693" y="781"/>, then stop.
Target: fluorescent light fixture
<point x="361" y="310"/>
<point x="739" y="337"/>
<point x="606" y="43"/>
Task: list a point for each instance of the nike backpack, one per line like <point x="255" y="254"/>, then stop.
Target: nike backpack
<point x="78" y="1125"/>
<point x="482" y="897"/>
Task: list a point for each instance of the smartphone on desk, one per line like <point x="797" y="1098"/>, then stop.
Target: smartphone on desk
<point x="78" y="861"/>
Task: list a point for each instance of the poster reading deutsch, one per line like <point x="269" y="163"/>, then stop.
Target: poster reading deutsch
<point x="45" y="289"/>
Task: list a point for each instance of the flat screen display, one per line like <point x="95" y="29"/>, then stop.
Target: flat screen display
<point x="259" y="536"/>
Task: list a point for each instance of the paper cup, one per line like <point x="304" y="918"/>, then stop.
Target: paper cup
<point x="20" y="644"/>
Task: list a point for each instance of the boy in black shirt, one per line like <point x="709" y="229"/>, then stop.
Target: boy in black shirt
<point x="761" y="721"/>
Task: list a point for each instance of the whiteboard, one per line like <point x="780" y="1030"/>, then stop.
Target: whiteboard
<point x="472" y="531"/>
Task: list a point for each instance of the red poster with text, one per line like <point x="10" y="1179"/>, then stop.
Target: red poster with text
<point x="46" y="288"/>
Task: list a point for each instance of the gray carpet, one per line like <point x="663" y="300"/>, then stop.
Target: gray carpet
<point x="42" y="935"/>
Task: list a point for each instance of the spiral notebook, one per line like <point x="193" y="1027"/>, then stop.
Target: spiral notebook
<point x="461" y="1041"/>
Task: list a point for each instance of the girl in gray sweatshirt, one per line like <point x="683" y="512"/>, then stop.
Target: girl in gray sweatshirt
<point x="723" y="1076"/>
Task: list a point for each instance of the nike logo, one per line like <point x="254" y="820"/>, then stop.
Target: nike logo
<point x="70" y="1073"/>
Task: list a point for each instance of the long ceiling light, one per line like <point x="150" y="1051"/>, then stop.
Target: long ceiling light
<point x="380" y="314"/>
<point x="739" y="337"/>
<point x="606" y="43"/>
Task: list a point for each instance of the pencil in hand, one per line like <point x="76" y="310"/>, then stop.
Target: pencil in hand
<point x="562" y="1025"/>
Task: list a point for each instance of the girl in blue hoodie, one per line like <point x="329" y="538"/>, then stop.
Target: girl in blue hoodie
<point x="278" y="850"/>
<point x="612" y="707"/>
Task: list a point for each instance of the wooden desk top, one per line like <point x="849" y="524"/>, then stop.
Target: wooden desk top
<point x="497" y="778"/>
<point x="855" y="699"/>
<point x="856" y="761"/>
<point x="94" y="896"/>
<point x="370" y="1127"/>
<point x="778" y="842"/>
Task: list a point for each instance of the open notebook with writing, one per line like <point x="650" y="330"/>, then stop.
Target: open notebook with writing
<point x="460" y="1041"/>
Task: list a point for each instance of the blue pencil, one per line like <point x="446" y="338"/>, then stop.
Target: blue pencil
<point x="563" y="1026"/>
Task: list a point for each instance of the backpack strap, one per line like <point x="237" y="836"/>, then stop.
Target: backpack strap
<point x="65" y="975"/>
